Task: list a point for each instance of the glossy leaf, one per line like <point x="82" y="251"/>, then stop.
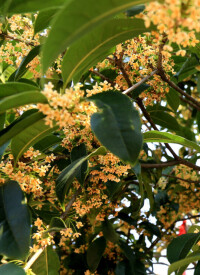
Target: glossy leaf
<point x="109" y="232"/>
<point x="64" y="180"/>
<point x="165" y="120"/>
<point x="10" y="268"/>
<point x="135" y="10"/>
<point x="48" y="263"/>
<point x="175" y="266"/>
<point x="156" y="136"/>
<point x="21" y="99"/>
<point x="77" y="153"/>
<point x="43" y="19"/>
<point x="95" y="252"/>
<point x="117" y="125"/>
<point x="188" y="68"/>
<point x="173" y="99"/>
<point x="27" y="119"/>
<point x="180" y="246"/>
<point x="76" y="19"/>
<point x="47" y="142"/>
<point x="13" y="88"/>
<point x="14" y="222"/>
<point x="93" y="47"/>
<point x="27" y="138"/>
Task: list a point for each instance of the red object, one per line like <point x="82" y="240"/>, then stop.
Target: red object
<point x="182" y="230"/>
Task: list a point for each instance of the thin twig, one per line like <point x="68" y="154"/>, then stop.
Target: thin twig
<point x="174" y="177"/>
<point x="34" y="258"/>
<point x="140" y="82"/>
<point x="160" y="165"/>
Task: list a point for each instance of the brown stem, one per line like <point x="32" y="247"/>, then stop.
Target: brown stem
<point x="163" y="76"/>
<point x="160" y="165"/>
<point x="69" y="205"/>
<point x="140" y="82"/>
<point x="6" y="36"/>
<point x="174" y="177"/>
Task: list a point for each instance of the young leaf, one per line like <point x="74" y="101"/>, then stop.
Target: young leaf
<point x="14" y="222"/>
<point x="156" y="136"/>
<point x="117" y="125"/>
<point x="75" y="19"/>
<point x="10" y="268"/>
<point x="48" y="263"/>
<point x="64" y="180"/>
<point x="93" y="47"/>
<point x="28" y="137"/>
<point x="95" y="252"/>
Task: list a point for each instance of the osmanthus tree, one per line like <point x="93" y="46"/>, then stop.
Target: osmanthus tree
<point x="92" y="95"/>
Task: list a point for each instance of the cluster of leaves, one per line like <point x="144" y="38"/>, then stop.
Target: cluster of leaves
<point x="39" y="220"/>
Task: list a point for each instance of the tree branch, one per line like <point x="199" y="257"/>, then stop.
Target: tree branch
<point x="140" y="82"/>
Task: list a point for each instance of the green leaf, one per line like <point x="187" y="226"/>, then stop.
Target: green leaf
<point x="8" y="269"/>
<point x="3" y="148"/>
<point x="28" y="137"/>
<point x="2" y="120"/>
<point x="156" y="136"/>
<point x="57" y="222"/>
<point x="95" y="252"/>
<point x="47" y="142"/>
<point x="135" y="10"/>
<point x="188" y="68"/>
<point x="75" y="19"/>
<point x="48" y="263"/>
<point x="23" y="67"/>
<point x="43" y="19"/>
<point x="136" y="266"/>
<point x="28" y="118"/>
<point x="109" y="232"/>
<point x="13" y="88"/>
<point x="180" y="246"/>
<point x="117" y="125"/>
<point x="93" y="47"/>
<point x="173" y="99"/>
<point x="14" y="222"/>
<point x="173" y="267"/>
<point x="197" y="269"/>
<point x="77" y="153"/>
<point x="66" y="177"/>
<point x="165" y="120"/>
<point x="152" y="228"/>
<point x="21" y="6"/>
<point x="21" y="99"/>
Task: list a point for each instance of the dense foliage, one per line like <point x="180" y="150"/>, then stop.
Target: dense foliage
<point x="93" y="94"/>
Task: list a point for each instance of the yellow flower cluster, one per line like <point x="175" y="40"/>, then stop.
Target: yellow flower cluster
<point x="178" y="19"/>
